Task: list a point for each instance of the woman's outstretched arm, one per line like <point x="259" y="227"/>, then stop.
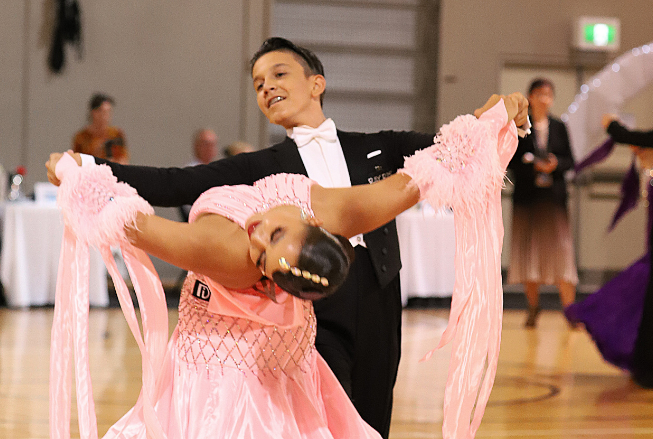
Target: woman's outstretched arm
<point x="363" y="208"/>
<point x="360" y="209"/>
<point x="212" y="245"/>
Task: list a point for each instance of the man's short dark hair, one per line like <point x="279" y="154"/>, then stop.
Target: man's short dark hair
<point x="98" y="99"/>
<point x="309" y="61"/>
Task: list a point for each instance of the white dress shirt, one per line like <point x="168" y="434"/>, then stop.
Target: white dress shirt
<point x="323" y="158"/>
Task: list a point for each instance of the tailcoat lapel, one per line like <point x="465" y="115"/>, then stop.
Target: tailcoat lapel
<point x="288" y="158"/>
<point x="355" y="158"/>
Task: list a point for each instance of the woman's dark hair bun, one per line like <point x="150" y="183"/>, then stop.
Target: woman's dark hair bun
<point x="323" y="254"/>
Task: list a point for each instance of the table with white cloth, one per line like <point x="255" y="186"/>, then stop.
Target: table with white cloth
<point x="31" y="243"/>
<point x="427" y="243"/>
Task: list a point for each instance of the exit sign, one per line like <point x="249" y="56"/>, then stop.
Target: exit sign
<point x="597" y="34"/>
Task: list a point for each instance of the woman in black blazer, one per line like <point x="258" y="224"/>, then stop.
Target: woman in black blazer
<point x="542" y="250"/>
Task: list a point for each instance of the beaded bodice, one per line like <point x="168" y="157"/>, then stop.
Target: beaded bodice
<point x="210" y="341"/>
<point x="238" y="203"/>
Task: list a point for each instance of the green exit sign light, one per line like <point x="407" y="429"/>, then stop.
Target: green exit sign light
<point x="600" y="34"/>
<point x="597" y="34"/>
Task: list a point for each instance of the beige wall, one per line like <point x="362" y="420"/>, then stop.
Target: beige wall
<point x="11" y="82"/>
<point x="171" y="66"/>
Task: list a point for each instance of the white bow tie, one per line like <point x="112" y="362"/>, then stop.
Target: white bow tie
<point x="302" y="135"/>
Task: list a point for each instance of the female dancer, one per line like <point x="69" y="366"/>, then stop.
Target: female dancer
<point x="619" y="316"/>
<point x="241" y="362"/>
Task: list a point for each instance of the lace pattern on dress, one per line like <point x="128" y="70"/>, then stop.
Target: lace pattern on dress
<point x="213" y="341"/>
<point x="460" y="170"/>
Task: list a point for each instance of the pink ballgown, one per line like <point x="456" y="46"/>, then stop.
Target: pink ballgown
<point x="238" y="365"/>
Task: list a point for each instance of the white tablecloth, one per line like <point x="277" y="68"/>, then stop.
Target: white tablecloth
<point x="427" y="243"/>
<point x="31" y="242"/>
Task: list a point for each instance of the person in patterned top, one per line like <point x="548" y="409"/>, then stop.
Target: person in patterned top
<point x="99" y="138"/>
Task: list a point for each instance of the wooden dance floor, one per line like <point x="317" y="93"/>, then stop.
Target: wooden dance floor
<point x="551" y="382"/>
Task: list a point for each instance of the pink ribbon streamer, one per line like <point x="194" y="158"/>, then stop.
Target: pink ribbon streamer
<point x="464" y="170"/>
<point x="85" y="225"/>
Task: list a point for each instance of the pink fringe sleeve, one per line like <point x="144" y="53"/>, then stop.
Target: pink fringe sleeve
<point x="464" y="170"/>
<point x="95" y="208"/>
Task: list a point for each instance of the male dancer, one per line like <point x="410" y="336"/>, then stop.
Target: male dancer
<point x="359" y="327"/>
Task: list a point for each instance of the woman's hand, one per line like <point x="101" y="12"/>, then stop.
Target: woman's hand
<point x="489" y="104"/>
<point x="517" y="108"/>
<point x="133" y="230"/>
<point x="546" y="166"/>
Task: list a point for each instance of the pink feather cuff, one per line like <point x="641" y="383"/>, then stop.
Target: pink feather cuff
<point x="461" y="168"/>
<point x="95" y="205"/>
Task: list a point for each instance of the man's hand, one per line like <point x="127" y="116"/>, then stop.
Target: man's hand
<point x="516" y="107"/>
<point x="51" y="164"/>
<point x="644" y="155"/>
<point x="607" y="119"/>
<point x="521" y="102"/>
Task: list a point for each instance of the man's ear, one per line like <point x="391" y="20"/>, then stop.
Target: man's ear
<point x="319" y="85"/>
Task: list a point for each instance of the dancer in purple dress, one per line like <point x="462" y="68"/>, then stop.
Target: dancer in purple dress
<point x="619" y="316"/>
